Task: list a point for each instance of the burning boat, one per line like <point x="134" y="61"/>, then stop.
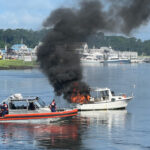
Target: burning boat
<point x="104" y="99"/>
<point x="32" y="108"/>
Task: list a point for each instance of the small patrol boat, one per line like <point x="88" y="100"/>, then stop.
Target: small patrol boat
<point x="31" y="108"/>
<point x="104" y="99"/>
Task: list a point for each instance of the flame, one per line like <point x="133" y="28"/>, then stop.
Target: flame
<point x="76" y="97"/>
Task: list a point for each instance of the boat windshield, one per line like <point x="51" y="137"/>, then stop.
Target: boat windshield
<point x="40" y="103"/>
<point x="17" y="104"/>
<point x="105" y="93"/>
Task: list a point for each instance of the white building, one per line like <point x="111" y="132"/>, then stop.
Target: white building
<point x="21" y="51"/>
<point x="109" y="52"/>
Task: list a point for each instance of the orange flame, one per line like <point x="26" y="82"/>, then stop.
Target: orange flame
<point x="76" y="97"/>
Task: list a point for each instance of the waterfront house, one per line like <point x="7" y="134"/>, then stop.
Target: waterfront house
<point x="22" y="52"/>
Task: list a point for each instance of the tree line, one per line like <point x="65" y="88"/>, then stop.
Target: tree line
<point x="120" y="43"/>
<point x="32" y="38"/>
<point x="29" y="37"/>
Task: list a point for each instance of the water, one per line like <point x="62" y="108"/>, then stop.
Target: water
<point x="110" y="130"/>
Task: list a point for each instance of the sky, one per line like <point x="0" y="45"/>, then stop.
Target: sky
<point x="30" y="14"/>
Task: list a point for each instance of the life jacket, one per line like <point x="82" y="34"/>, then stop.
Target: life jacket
<point x="5" y="107"/>
<point x="53" y="104"/>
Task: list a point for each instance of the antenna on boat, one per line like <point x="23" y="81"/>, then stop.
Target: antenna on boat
<point x="134" y="86"/>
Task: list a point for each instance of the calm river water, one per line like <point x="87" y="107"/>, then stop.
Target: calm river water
<point x="108" y="130"/>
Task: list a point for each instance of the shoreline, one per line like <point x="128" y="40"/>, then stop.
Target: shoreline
<point x="17" y="65"/>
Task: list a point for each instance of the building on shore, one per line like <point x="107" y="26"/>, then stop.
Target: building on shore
<point x="22" y="52"/>
<point x="1" y="55"/>
<point x="3" y="52"/>
<point x="103" y="52"/>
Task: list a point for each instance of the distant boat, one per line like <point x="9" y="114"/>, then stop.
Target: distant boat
<point x="136" y="60"/>
<point x="116" y="60"/>
<point x="90" y="59"/>
<point x="147" y="60"/>
<point x="105" y="99"/>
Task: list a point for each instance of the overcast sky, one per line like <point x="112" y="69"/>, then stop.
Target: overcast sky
<point x="29" y="14"/>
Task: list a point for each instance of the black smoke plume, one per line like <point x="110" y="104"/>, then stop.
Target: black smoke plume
<point x="128" y="14"/>
<point x="134" y="13"/>
<point x="69" y="27"/>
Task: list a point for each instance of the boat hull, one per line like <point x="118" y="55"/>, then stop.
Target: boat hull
<point x="90" y="61"/>
<point x="39" y="116"/>
<point x="120" y="104"/>
<point x="117" y="61"/>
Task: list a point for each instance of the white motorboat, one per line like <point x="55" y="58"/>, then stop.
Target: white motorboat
<point x="117" y="60"/>
<point x="89" y="58"/>
<point x="105" y="99"/>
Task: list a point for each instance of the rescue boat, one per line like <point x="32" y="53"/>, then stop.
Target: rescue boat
<point x="31" y="108"/>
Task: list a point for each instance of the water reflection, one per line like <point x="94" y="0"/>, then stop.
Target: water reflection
<point x="111" y="118"/>
<point x="61" y="135"/>
<point x="65" y="134"/>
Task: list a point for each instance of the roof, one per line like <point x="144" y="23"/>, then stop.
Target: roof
<point x="3" y="51"/>
<point x="17" y="46"/>
<point x="99" y="89"/>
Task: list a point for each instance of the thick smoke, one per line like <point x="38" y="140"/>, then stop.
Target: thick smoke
<point x="137" y="13"/>
<point x="69" y="27"/>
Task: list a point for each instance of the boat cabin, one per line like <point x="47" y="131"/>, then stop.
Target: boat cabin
<point x="102" y="94"/>
<point x="16" y="103"/>
<point x="29" y="104"/>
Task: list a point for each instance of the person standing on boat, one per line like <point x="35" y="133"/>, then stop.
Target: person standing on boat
<point x="53" y="106"/>
<point x="1" y="108"/>
<point x="4" y="109"/>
